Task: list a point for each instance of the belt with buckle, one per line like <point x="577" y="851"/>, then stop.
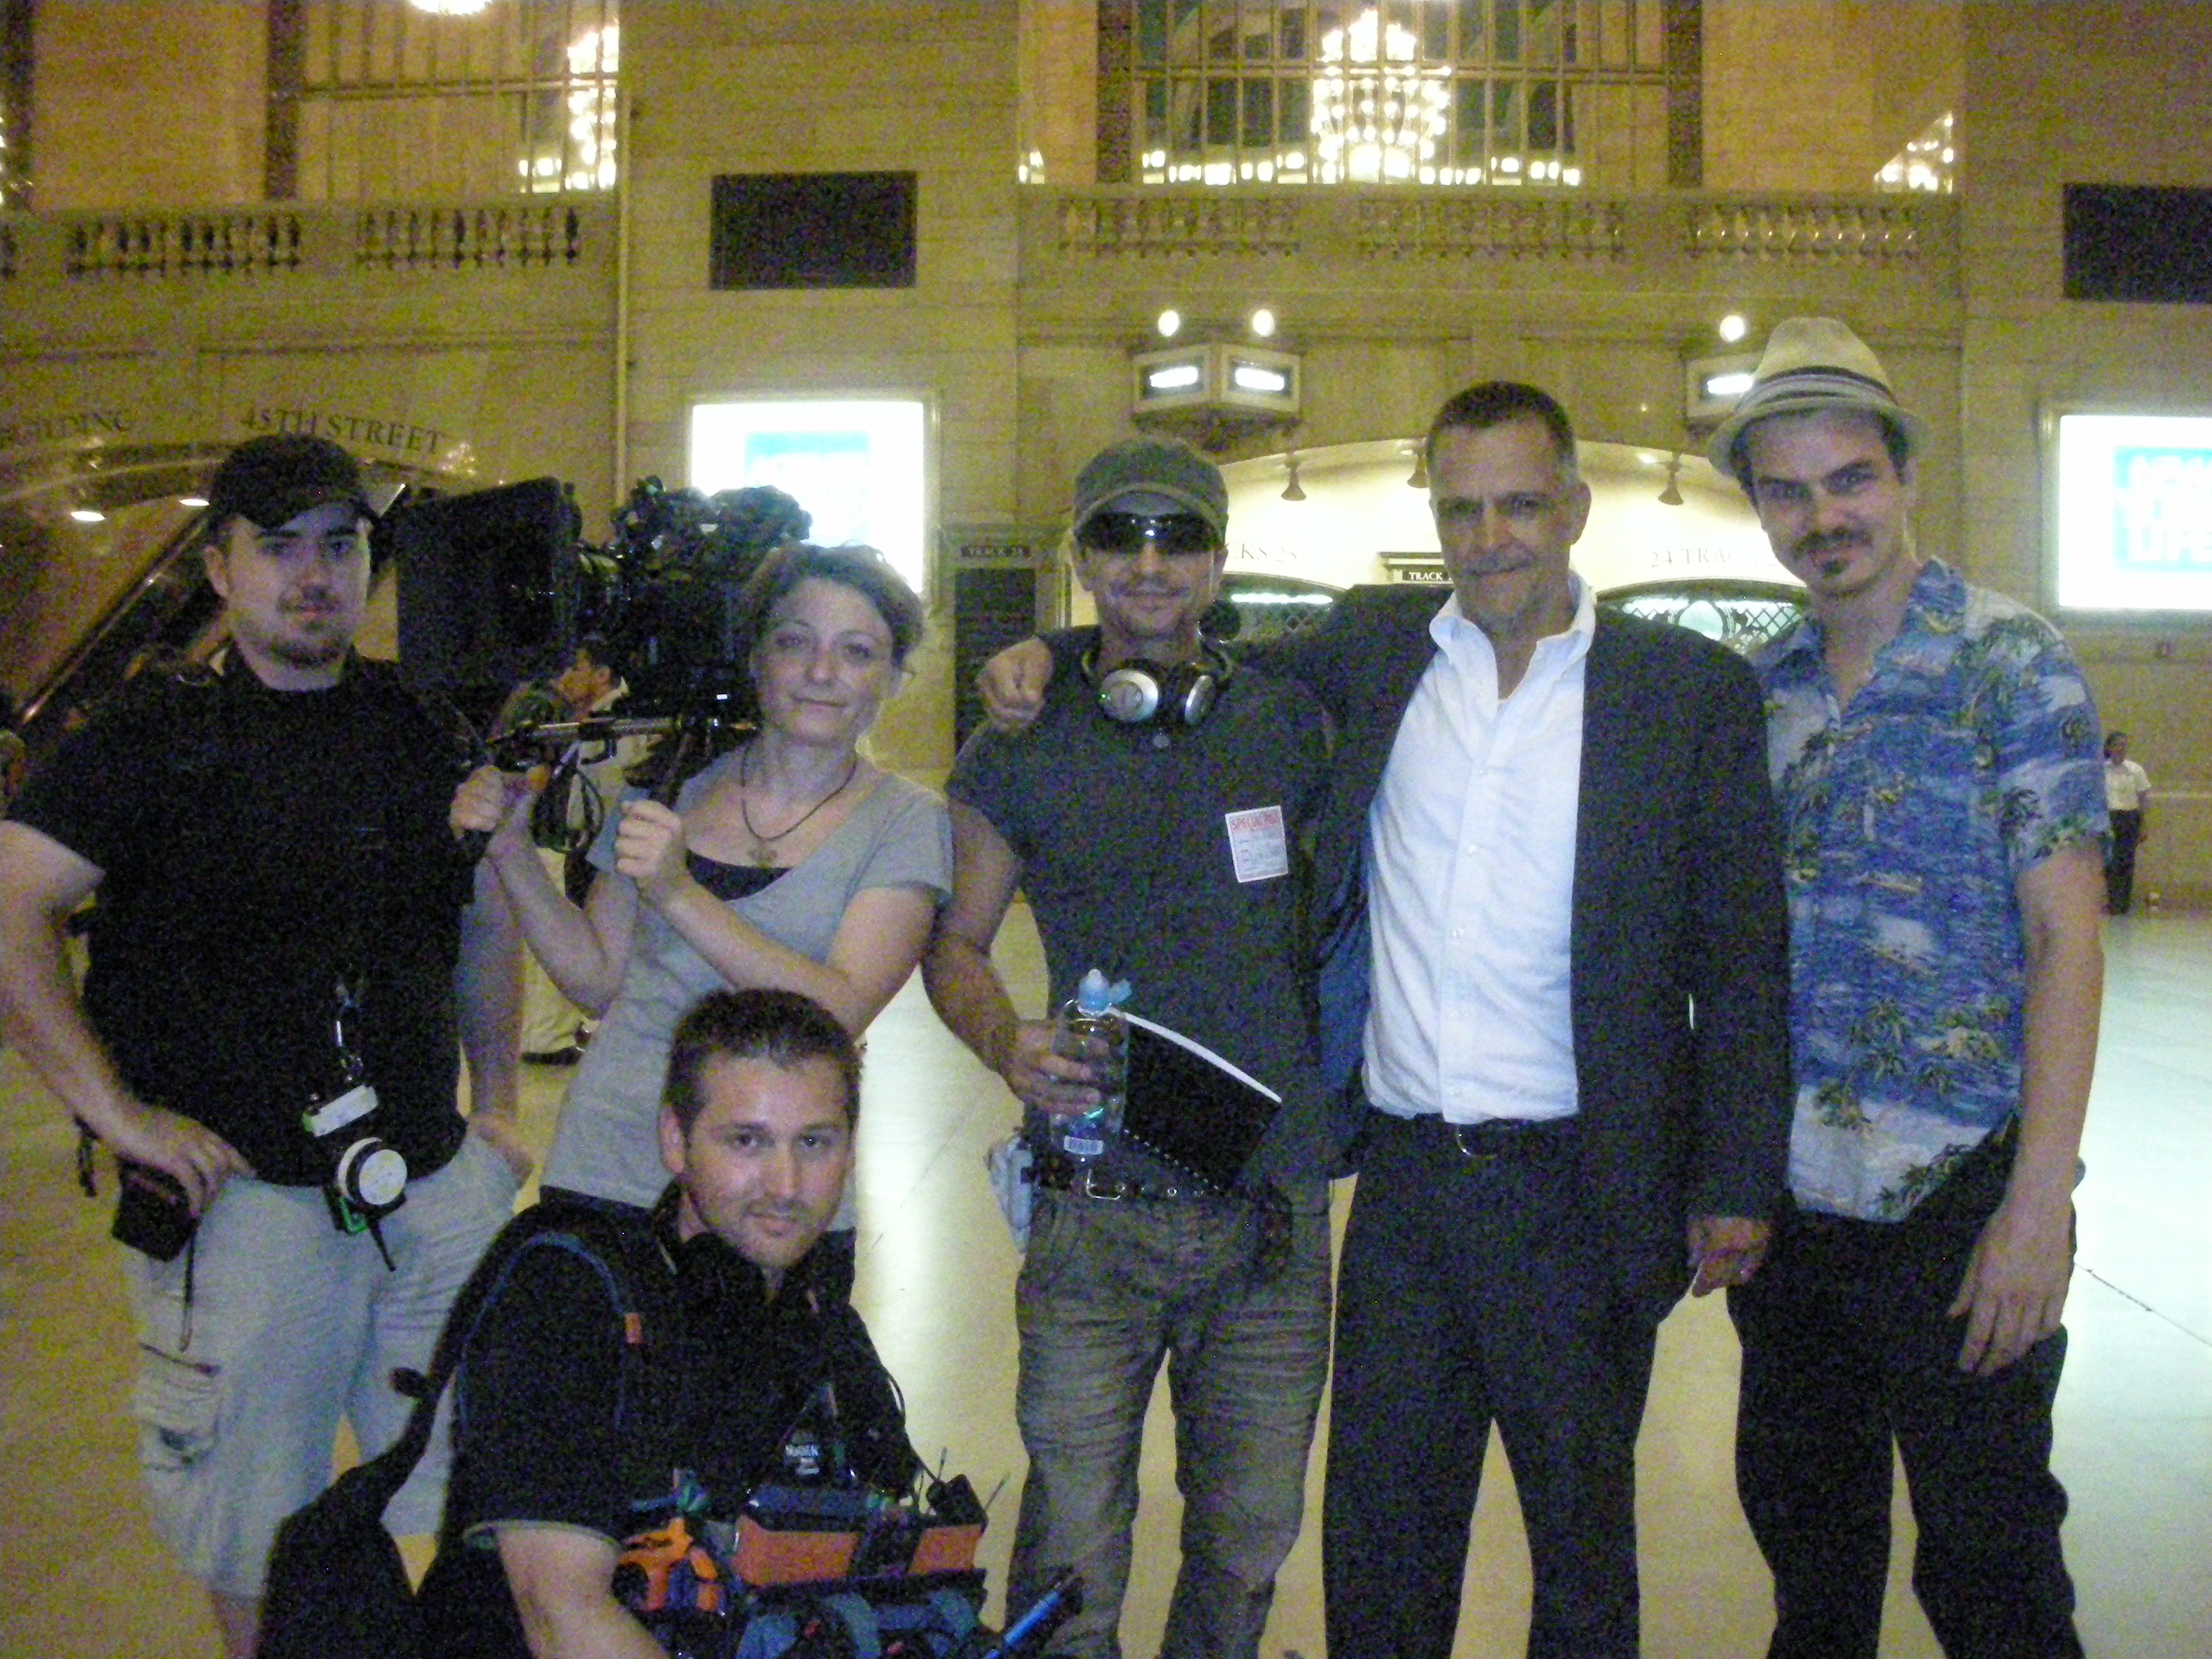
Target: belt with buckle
<point x="1498" y="1137"/>
<point x="1058" y="1174"/>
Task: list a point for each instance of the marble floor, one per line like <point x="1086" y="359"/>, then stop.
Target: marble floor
<point x="2134" y="1432"/>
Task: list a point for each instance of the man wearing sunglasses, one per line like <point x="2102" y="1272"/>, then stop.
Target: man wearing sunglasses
<point x="1549" y="837"/>
<point x="1153" y="817"/>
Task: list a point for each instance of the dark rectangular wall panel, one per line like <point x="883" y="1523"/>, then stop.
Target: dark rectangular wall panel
<point x="2142" y="242"/>
<point x="812" y="230"/>
<point x="992" y="609"/>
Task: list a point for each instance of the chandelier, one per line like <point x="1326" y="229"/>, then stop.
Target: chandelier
<point x="1377" y="115"/>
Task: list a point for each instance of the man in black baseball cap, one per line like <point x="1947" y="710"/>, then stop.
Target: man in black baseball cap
<point x="272" y="480"/>
<point x="289" y="953"/>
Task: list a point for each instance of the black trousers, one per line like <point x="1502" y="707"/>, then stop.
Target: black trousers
<point x="1848" y="1344"/>
<point x="1473" y="1290"/>
<point x="2120" y="862"/>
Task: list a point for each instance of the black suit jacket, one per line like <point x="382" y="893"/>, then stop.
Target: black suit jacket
<point x="1679" y="955"/>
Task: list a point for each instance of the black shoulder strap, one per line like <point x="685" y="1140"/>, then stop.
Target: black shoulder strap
<point x="591" y="1238"/>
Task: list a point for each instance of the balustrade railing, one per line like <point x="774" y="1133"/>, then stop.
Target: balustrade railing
<point x="1884" y="229"/>
<point x="182" y="244"/>
<point x="1493" y="227"/>
<point x="1899" y="234"/>
<point x="290" y="241"/>
<point x="1154" y="222"/>
<point x="522" y="236"/>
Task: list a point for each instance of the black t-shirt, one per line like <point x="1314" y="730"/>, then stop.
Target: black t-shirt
<point x="553" y="1424"/>
<point x="256" y="846"/>
<point x="1132" y="840"/>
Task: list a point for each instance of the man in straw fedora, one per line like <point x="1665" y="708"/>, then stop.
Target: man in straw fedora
<point x="1935" y="753"/>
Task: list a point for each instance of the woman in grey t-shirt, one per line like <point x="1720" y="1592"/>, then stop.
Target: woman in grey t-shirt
<point x="791" y="862"/>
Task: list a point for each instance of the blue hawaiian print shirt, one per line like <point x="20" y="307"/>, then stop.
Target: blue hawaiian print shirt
<point x="1969" y="757"/>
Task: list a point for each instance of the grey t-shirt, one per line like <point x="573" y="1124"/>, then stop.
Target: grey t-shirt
<point x="1156" y="858"/>
<point x="607" y="1145"/>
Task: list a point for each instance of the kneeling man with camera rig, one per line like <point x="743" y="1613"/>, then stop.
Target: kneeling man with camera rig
<point x="286" y="957"/>
<point x="647" y="1412"/>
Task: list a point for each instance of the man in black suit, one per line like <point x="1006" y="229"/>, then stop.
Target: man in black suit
<point x="1557" y="826"/>
<point x="1549" y="837"/>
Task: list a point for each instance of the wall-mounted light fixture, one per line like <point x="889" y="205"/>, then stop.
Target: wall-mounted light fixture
<point x="1732" y="327"/>
<point x="1168" y="323"/>
<point x="1216" y="392"/>
<point x="1263" y="323"/>
<point x="1711" y="387"/>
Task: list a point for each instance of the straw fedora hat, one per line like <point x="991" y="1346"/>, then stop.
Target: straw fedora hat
<point x="1812" y="363"/>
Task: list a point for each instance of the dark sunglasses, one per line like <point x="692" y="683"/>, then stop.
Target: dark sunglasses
<point x="1128" y="532"/>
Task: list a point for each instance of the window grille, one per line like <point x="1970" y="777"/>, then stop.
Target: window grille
<point x="1554" y="94"/>
<point x="381" y="101"/>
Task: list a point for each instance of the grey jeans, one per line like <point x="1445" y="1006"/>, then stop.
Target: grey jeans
<point x="1107" y="1291"/>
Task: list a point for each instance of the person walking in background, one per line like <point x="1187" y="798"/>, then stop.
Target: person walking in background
<point x="2127" y="800"/>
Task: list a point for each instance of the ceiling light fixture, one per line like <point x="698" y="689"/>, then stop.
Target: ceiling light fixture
<point x="1263" y="323"/>
<point x="1672" y="494"/>
<point x="1733" y="327"/>
<point x="1291" y="491"/>
<point x="1419" y="477"/>
<point x="1170" y="324"/>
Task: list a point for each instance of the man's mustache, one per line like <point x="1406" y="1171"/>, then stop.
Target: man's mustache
<point x="1828" y="541"/>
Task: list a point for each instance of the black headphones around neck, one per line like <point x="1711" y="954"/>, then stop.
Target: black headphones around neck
<point x="1177" y="697"/>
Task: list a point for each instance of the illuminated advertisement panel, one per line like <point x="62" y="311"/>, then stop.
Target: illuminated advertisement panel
<point x="855" y="464"/>
<point x="2134" y="513"/>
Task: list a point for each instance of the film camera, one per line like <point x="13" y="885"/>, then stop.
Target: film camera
<point x="496" y="587"/>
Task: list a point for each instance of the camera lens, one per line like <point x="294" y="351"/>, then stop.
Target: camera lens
<point x="371" y="1174"/>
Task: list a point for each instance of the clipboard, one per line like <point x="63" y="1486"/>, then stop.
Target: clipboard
<point x="1191" y="1108"/>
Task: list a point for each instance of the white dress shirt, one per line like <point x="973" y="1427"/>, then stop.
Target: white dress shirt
<point x="2125" y="785"/>
<point x="1471" y="882"/>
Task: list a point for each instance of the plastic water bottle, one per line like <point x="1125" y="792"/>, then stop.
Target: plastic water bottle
<point x="1092" y="1030"/>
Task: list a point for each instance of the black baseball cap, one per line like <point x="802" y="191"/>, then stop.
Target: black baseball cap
<point x="272" y="480"/>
